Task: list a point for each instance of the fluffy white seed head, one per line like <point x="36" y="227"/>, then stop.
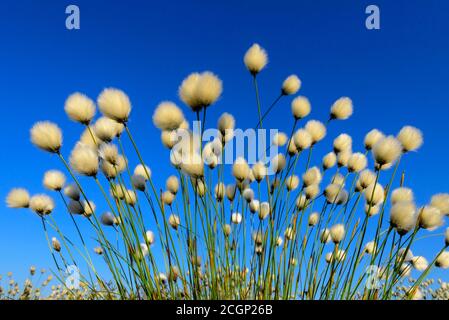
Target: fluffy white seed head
<point x="325" y="235"/>
<point x="374" y="194"/>
<point x="292" y="182"/>
<point x="54" y="180"/>
<point x="370" y="247"/>
<point x="259" y="171"/>
<point x="46" y="136"/>
<point x="341" y="109"/>
<point x="143" y="171"/>
<point x="291" y="85"/>
<point x="313" y="219"/>
<point x="332" y="192"/>
<point x="264" y="210"/>
<point x="357" y="162"/>
<point x="254" y="206"/>
<point x="240" y="169"/>
<point x="337" y="233"/>
<point x="41" y="204"/>
<point x="402" y="194"/>
<point x="80" y="108"/>
<point x="411" y="138"/>
<point x="278" y="162"/>
<point x="403" y="217"/>
<point x="18" y="198"/>
<point x="329" y="160"/>
<point x="89" y="138"/>
<point x="167" y="198"/>
<point x="387" y="150"/>
<point x="168" y="116"/>
<point x="109" y="152"/>
<point x="219" y="191"/>
<point x="230" y="192"/>
<point x="300" y="107"/>
<point x="138" y="182"/>
<point x="430" y="218"/>
<point x="372" y="138"/>
<point x="366" y="178"/>
<point x="302" y="139"/>
<point x="338" y="179"/>
<point x="441" y="201"/>
<point x="84" y="160"/>
<point x="342" y="143"/>
<point x="255" y="59"/>
<point x="55" y="244"/>
<point x="72" y="191"/>
<point x="114" y="104"/>
<point x="107" y="129"/>
<point x="280" y="139"/>
<point x="301" y="202"/>
<point x="248" y="194"/>
<point x="419" y="263"/>
<point x="289" y="233"/>
<point x="150" y="237"/>
<point x="312" y="176"/>
<point x="226" y="124"/>
<point x="316" y="129"/>
<point x="291" y="148"/>
<point x="236" y="218"/>
<point x="172" y="184"/>
<point x="343" y="158"/>
<point x="174" y="221"/>
<point x="443" y="260"/>
<point x="88" y="208"/>
<point x="312" y="191"/>
<point x="200" y="90"/>
<point x="107" y="219"/>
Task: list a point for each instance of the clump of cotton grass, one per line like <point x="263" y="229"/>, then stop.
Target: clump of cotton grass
<point x="302" y="139"/>
<point x="80" y="108"/>
<point x="46" y="136"/>
<point x="329" y="160"/>
<point x="167" y="116"/>
<point x="300" y="107"/>
<point x="341" y="109"/>
<point x="106" y="129"/>
<point x="54" y="180"/>
<point x="386" y="151"/>
<point x="84" y="160"/>
<point x="357" y="162"/>
<point x="114" y="104"/>
<point x="441" y="201"/>
<point x="41" y="204"/>
<point x="18" y="198"/>
<point x="403" y="217"/>
<point x="255" y="59"/>
<point x="316" y="129"/>
<point x="430" y="218"/>
<point x="291" y="85"/>
<point x="411" y="138"/>
<point x="200" y="90"/>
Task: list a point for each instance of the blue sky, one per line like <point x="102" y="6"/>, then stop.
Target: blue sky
<point x="395" y="76"/>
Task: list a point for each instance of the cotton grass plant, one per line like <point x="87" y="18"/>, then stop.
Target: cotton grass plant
<point x="290" y="225"/>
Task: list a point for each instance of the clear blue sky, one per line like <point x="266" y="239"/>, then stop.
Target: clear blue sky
<point x="396" y="76"/>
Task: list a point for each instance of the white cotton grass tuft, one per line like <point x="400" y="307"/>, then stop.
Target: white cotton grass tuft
<point x="341" y="109"/>
<point x="80" y="108"/>
<point x="332" y="193"/>
<point x="443" y="260"/>
<point x="107" y="129"/>
<point x="18" y="198"/>
<point x="316" y="129"/>
<point x="300" y="107"/>
<point x="172" y="184"/>
<point x="338" y="179"/>
<point x="313" y="219"/>
<point x="143" y="171"/>
<point x="329" y="160"/>
<point x="236" y="218"/>
<point x="226" y="125"/>
<point x="366" y="178"/>
<point x="312" y="176"/>
<point x="278" y="163"/>
<point x="264" y="210"/>
<point x="200" y="90"/>
<point x="168" y="116"/>
<point x="46" y="136"/>
<point x="312" y="191"/>
<point x="54" y="180"/>
<point x="441" y="201"/>
<point x="240" y="169"/>
<point x="419" y="263"/>
<point x="387" y="150"/>
<point x="371" y="210"/>
<point x="430" y="218"/>
<point x="130" y="197"/>
<point x="219" y="191"/>
<point x="374" y="194"/>
<point x="411" y="138"/>
<point x="289" y="233"/>
<point x="302" y="202"/>
<point x="291" y="85"/>
<point x="88" y="208"/>
<point x="357" y="162"/>
<point x="107" y="219"/>
<point x="138" y="182"/>
<point x="167" y="198"/>
<point x="248" y="194"/>
<point x="372" y="138"/>
<point x="401" y="194"/>
<point x="342" y="142"/>
<point x="403" y="217"/>
<point x="291" y="148"/>
<point x="343" y="158"/>
<point x="337" y="233"/>
<point x="72" y="191"/>
<point x="325" y="235"/>
<point x="109" y="152"/>
<point x="231" y="190"/>
<point x="370" y="248"/>
<point x="174" y="221"/>
<point x="292" y="182"/>
<point x="254" y="206"/>
<point x="41" y="204"/>
<point x="84" y="160"/>
<point x="302" y="139"/>
<point x="279" y="139"/>
<point x="255" y="59"/>
<point x="114" y="104"/>
<point x="259" y="171"/>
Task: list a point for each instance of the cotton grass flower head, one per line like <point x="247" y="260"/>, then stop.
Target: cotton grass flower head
<point x="138" y="182"/>
<point x="312" y="191"/>
<point x="316" y="129"/>
<point x="254" y="206"/>
<point x="227" y="230"/>
<point x="109" y="153"/>
<point x="226" y="124"/>
<point x="54" y="180"/>
<point x="264" y="210"/>
<point x="443" y="260"/>
<point x="301" y="202"/>
<point x="300" y="107"/>
<point x="302" y="139"/>
<point x="46" y="136"/>
<point x="167" y="198"/>
<point x="255" y="59"/>
<point x="357" y="162"/>
<point x="200" y="90"/>
<point x="411" y="138"/>
<point x="248" y="194"/>
<point x="84" y="160"/>
<point x="193" y="165"/>
<point x="80" y="108"/>
<point x="338" y="179"/>
<point x="259" y="171"/>
<point x="387" y="150"/>
<point x="150" y="237"/>
<point x="107" y="219"/>
<point x="174" y="221"/>
<point x="72" y="191"/>
<point x="374" y="194"/>
<point x="366" y="178"/>
<point x="291" y="85"/>
<point x="371" y="210"/>
<point x="18" y="198"/>
<point x="168" y="116"/>
<point x="279" y="139"/>
<point x="430" y="218"/>
<point x="325" y="235"/>
<point x="402" y="194"/>
<point x="403" y="217"/>
<point x="236" y="218"/>
<point x="172" y="184"/>
<point x="278" y="163"/>
<point x="41" y="204"/>
<point x="88" y="208"/>
<point x="289" y="233"/>
<point x="343" y="158"/>
<point x="372" y="137"/>
<point x="219" y="191"/>
<point x="441" y="201"/>
<point x="230" y="192"/>
<point x="370" y="248"/>
<point x="56" y="245"/>
<point x="114" y="104"/>
<point x="312" y="176"/>
<point x="292" y="182"/>
<point x="130" y="197"/>
<point x="107" y="129"/>
<point x="419" y="263"/>
<point x="337" y="233"/>
<point x="341" y="109"/>
<point x="313" y="219"/>
<point x="329" y="160"/>
<point x="240" y="169"/>
<point x="143" y="171"/>
<point x="332" y="193"/>
<point x="90" y="139"/>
